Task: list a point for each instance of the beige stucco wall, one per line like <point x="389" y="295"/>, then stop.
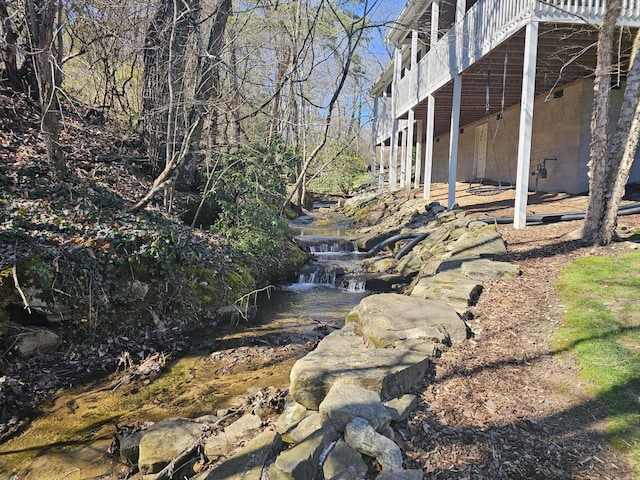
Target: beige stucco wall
<point x="561" y="130"/>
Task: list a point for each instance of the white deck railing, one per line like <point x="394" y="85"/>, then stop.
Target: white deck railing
<point x="384" y="122"/>
<point x="487" y="24"/>
<point x="585" y="10"/>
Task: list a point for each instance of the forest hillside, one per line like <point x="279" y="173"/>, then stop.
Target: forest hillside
<point x="84" y="278"/>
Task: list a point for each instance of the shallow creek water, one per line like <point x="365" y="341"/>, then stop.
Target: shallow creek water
<point x="70" y="436"/>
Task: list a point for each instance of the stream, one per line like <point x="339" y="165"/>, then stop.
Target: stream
<point x="71" y="434"/>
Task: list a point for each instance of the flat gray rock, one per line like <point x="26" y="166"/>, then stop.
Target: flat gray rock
<point x="245" y="427"/>
<point x="344" y="462"/>
<point x="484" y="269"/>
<point x="485" y="242"/>
<point x="164" y="441"/>
<point x="389" y="319"/>
<point x="307" y="427"/>
<point x="292" y="416"/>
<point x="302" y="462"/>
<point x="401" y="407"/>
<point x="343" y="355"/>
<point x="451" y="287"/>
<point x="343" y="403"/>
<point x="36" y="341"/>
<point x="249" y="462"/>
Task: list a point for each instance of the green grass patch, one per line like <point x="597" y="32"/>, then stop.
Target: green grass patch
<point x="602" y="327"/>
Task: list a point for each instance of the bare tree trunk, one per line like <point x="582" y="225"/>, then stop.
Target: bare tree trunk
<point x="207" y="88"/>
<point x="155" y="85"/>
<point x="625" y="144"/>
<point x="599" y="164"/>
<point x="8" y="50"/>
<point x="235" y="104"/>
<point x="164" y="69"/>
<point x="283" y="60"/>
<point x="41" y="15"/>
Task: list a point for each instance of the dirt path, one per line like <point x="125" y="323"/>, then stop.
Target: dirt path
<point x="504" y="405"/>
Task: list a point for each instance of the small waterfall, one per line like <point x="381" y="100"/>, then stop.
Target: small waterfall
<point x="354" y="283"/>
<point x="335" y="260"/>
<point x="317" y="244"/>
<point x="333" y="247"/>
<point x="318" y="274"/>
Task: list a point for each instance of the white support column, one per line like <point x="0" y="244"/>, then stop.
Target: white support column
<point x="419" y="152"/>
<point x="435" y="20"/>
<point x="454" y="134"/>
<point x="428" y="146"/>
<point x="374" y="143"/>
<point x="431" y="107"/>
<point x="409" y="151"/>
<point x="393" y="156"/>
<point x="461" y="7"/>
<point x="403" y="158"/>
<point x="414" y="49"/>
<point x="383" y="154"/>
<point x="526" y="124"/>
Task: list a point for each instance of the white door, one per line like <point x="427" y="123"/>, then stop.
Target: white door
<point x="480" y="161"/>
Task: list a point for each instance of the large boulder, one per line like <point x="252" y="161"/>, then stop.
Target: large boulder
<point x="484" y="269"/>
<point x="391" y="320"/>
<point x="344" y="355"/>
<point x="451" y="287"/>
<point x="485" y="242"/>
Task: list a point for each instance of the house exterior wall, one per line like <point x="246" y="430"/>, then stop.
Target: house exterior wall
<point x="561" y="131"/>
<point x="585" y="134"/>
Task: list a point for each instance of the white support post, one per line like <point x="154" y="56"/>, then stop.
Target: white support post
<point x="403" y="158"/>
<point x="454" y="134"/>
<point x="461" y="7"/>
<point x="374" y="143"/>
<point x="393" y="156"/>
<point x="526" y="124"/>
<point x="409" y="152"/>
<point x="428" y="146"/>
<point x="383" y="153"/>
<point x="419" y="152"/>
<point x="414" y="48"/>
<point x="435" y="20"/>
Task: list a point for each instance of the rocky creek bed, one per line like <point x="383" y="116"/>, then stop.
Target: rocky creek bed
<point x="348" y="394"/>
<point x="477" y="394"/>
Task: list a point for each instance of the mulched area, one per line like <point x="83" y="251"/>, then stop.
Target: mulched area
<point x="504" y="404"/>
